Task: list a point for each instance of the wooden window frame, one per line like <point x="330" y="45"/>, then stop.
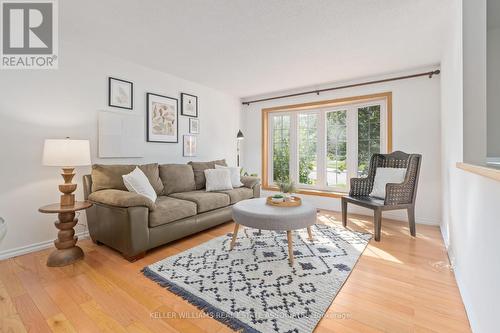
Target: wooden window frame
<point x="387" y="96"/>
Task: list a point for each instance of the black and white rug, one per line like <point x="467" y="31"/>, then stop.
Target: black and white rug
<point x="253" y="288"/>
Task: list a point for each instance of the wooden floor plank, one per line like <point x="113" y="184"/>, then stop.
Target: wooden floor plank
<point x="59" y="324"/>
<point x="32" y="318"/>
<point x="400" y="284"/>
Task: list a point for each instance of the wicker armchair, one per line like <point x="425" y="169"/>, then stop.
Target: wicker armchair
<point x="398" y="196"/>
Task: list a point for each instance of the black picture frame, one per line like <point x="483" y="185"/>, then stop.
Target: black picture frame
<point x="148" y="114"/>
<point x="183" y="111"/>
<point x="191" y="120"/>
<point x="110" y="102"/>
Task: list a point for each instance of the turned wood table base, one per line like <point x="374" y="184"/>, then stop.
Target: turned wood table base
<point x="66" y="251"/>
<point x="289" y="237"/>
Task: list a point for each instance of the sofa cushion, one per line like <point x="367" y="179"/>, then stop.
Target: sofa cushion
<point x="177" y="178"/>
<point x="250" y="181"/>
<point x="110" y="176"/>
<point x="169" y="210"/>
<point x="238" y="194"/>
<point x="119" y="198"/>
<point x="205" y="200"/>
<point x="152" y="171"/>
<point x="199" y="171"/>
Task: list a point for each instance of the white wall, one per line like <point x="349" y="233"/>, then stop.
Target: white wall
<point x="474" y="81"/>
<point x="470" y="202"/>
<point x="416" y="129"/>
<point x="35" y="105"/>
<point x="493" y="97"/>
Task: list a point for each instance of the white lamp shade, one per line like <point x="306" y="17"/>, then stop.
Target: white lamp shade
<point x="66" y="152"/>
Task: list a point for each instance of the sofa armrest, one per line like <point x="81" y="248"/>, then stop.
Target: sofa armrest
<point x="249" y="181"/>
<point x="124" y="199"/>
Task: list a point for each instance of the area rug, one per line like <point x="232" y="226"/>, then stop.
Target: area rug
<point x="253" y="288"/>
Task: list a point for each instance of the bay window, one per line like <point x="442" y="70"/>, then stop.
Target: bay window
<point x="320" y="146"/>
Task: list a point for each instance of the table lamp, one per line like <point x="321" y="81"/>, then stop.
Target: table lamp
<point x="239" y="137"/>
<point x="67" y="154"/>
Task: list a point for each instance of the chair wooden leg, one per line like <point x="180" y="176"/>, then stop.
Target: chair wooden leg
<point x="235" y="234"/>
<point x="377" y="224"/>
<point x="309" y="231"/>
<point x="344" y="212"/>
<point x="411" y="221"/>
<point x="290" y="246"/>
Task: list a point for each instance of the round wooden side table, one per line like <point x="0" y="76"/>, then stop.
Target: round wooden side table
<point x="66" y="251"/>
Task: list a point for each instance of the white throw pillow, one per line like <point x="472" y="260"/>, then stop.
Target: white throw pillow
<point x="234" y="173"/>
<point x="384" y="176"/>
<point x="218" y="180"/>
<point x="137" y="182"/>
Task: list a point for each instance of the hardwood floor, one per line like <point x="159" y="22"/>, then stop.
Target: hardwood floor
<point x="399" y="285"/>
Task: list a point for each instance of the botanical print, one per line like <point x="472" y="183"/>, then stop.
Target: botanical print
<point x="194" y="126"/>
<point x="163" y="119"/>
<point x="120" y="93"/>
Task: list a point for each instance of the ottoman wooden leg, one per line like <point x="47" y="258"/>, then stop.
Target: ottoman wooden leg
<point x="290" y="246"/>
<point x="235" y="234"/>
<point x="310" y="233"/>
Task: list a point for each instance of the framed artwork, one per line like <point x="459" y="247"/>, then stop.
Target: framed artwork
<point x="194" y="126"/>
<point x="189" y="105"/>
<point x="189" y="145"/>
<point x="162" y="118"/>
<point x="120" y="93"/>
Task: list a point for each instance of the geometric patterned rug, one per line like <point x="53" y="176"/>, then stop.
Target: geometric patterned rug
<point x="253" y="288"/>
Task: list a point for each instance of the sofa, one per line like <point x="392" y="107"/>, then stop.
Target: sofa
<point x="132" y="224"/>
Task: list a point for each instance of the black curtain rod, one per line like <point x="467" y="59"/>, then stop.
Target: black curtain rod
<point x="318" y="91"/>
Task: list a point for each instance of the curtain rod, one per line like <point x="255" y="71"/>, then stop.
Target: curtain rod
<point x="318" y="91"/>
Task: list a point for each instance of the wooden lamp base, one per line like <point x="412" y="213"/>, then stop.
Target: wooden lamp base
<point x="68" y="198"/>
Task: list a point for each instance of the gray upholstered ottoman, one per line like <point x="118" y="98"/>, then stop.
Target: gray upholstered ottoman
<point x="255" y="213"/>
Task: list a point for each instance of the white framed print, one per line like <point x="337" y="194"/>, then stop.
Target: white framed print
<point x="194" y="126"/>
<point x="189" y="105"/>
<point x="189" y="145"/>
<point x="162" y="118"/>
<point x="120" y="93"/>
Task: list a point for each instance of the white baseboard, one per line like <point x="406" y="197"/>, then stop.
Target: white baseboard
<point x="402" y="217"/>
<point x="35" y="247"/>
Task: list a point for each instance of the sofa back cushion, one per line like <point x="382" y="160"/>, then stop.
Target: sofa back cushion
<point x="199" y="171"/>
<point x="105" y="177"/>
<point x="152" y="171"/>
<point x="177" y="178"/>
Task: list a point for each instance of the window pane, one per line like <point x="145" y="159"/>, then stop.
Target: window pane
<point x="308" y="137"/>
<point x="281" y="147"/>
<point x="368" y="136"/>
<point x="336" y="148"/>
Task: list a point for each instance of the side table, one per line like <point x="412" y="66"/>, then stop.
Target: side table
<point x="66" y="251"/>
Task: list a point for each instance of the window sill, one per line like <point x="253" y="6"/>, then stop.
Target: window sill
<point x="484" y="171"/>
<point x="311" y="192"/>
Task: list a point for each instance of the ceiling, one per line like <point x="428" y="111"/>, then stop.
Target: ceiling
<point x="251" y="47"/>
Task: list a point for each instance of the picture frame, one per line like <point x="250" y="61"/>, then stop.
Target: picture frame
<point x="189" y="105"/>
<point x="189" y="146"/>
<point x="120" y="93"/>
<point x="194" y="126"/>
<point x="162" y="118"/>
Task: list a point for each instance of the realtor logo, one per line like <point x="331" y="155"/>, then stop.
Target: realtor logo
<point x="29" y="34"/>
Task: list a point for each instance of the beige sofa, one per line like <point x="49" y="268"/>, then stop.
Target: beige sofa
<point x="133" y="224"/>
